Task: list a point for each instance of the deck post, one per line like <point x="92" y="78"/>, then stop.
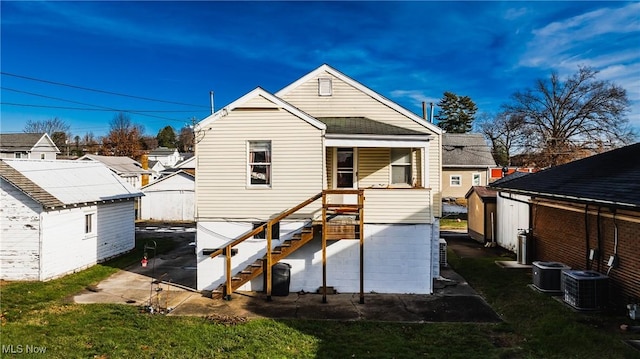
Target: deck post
<point x="324" y="247"/>
<point x="269" y="264"/>
<point x="361" y="235"/>
<point x="229" y="288"/>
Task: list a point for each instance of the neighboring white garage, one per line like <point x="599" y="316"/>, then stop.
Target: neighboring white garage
<point x="170" y="198"/>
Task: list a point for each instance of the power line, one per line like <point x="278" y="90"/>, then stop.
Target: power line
<point x="86" y="108"/>
<point x="99" y="91"/>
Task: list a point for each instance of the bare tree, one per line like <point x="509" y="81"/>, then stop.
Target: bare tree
<point x="186" y="139"/>
<point x="47" y="126"/>
<point x="506" y="132"/>
<point x="123" y="139"/>
<point x="568" y="119"/>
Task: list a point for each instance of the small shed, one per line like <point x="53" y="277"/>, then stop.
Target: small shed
<point x="171" y="198"/>
<point x="58" y="217"/>
<point x="481" y="211"/>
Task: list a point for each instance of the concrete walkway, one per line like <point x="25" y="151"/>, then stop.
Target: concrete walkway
<point x="453" y="299"/>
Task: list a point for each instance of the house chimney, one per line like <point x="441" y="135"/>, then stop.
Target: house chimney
<point x="211" y="96"/>
<point x="431" y="112"/>
<point x="144" y="161"/>
<point x="424" y="110"/>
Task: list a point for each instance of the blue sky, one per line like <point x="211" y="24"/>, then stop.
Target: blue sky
<point x="407" y="51"/>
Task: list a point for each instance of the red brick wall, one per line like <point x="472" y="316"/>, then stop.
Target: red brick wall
<point x="560" y="235"/>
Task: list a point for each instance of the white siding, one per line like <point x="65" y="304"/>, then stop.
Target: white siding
<point x="406" y="205"/>
<point x="19" y="235"/>
<point x="297" y="164"/>
<point x="373" y="167"/>
<point x="168" y="205"/>
<point x="66" y="248"/>
<point x="171" y="199"/>
<point x="398" y="259"/>
<point x="511" y="217"/>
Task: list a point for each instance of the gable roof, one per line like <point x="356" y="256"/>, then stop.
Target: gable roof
<point x="611" y="178"/>
<point x="122" y="165"/>
<point x="23" y="142"/>
<point x="277" y="102"/>
<point x="59" y="183"/>
<point x="164" y="178"/>
<point x="483" y="192"/>
<point x="466" y="150"/>
<point x="188" y="163"/>
<point x="385" y="101"/>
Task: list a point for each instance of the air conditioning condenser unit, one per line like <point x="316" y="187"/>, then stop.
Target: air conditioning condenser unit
<point x="585" y="290"/>
<point x="547" y="276"/>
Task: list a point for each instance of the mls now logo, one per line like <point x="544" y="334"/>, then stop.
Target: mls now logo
<point x="23" y="349"/>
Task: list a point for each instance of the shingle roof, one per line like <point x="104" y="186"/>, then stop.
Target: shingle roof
<point x="483" y="192"/>
<point x="509" y="177"/>
<point x="610" y="178"/>
<point x="55" y="183"/>
<point x="19" y="142"/>
<point x="121" y="165"/>
<point x="162" y="151"/>
<point x="363" y="126"/>
<point x="465" y="150"/>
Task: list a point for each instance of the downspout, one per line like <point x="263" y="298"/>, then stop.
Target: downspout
<point x="599" y="236"/>
<point x="586" y="236"/>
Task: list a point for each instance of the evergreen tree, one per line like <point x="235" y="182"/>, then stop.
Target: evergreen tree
<point x="456" y="113"/>
<point x="167" y="137"/>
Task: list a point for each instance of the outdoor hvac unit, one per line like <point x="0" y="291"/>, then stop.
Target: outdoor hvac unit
<point x="547" y="275"/>
<point x="443" y="252"/>
<point x="584" y="290"/>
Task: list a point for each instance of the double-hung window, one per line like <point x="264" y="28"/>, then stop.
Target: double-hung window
<point x="89" y="224"/>
<point x="401" y="166"/>
<point x="455" y="180"/>
<point x="259" y="164"/>
<point x="476" y="179"/>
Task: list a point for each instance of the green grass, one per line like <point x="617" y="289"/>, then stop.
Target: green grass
<point x="452" y="223"/>
<point x="535" y="326"/>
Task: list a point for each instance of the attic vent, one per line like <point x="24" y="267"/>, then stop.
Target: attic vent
<point x="324" y="87"/>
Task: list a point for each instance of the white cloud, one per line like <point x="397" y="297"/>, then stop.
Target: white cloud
<point x="513" y="14"/>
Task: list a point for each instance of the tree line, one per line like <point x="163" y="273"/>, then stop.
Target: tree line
<point x="125" y="138"/>
<point x="553" y="122"/>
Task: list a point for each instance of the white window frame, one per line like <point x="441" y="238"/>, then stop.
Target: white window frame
<point x="89" y="224"/>
<point x="451" y="178"/>
<point x="325" y="86"/>
<point x="269" y="164"/>
<point x="393" y="164"/>
<point x="477" y="182"/>
<point x="43" y="156"/>
<point x="17" y="155"/>
<point x="335" y="167"/>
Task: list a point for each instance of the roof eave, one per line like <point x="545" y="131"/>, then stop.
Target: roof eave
<point x="569" y="198"/>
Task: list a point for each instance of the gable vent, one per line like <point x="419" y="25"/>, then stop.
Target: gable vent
<point x="324" y="87"/>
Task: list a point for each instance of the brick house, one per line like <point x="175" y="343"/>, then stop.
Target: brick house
<point x="589" y="205"/>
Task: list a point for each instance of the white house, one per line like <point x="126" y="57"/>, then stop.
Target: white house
<point x="28" y="145"/>
<point x="128" y="169"/>
<point x="171" y="198"/>
<point x="167" y="156"/>
<point x="325" y="138"/>
<point x="58" y="217"/>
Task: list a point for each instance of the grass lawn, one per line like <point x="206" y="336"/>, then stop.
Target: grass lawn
<point x="536" y="326"/>
<point x="452" y="223"/>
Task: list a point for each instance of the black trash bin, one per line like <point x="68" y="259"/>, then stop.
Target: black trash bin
<point x="280" y="279"/>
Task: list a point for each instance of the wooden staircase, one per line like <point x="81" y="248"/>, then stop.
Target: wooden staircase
<point x="256" y="268"/>
<point x="331" y="229"/>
